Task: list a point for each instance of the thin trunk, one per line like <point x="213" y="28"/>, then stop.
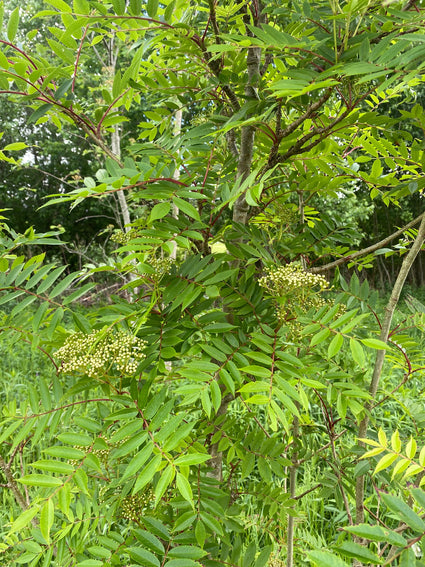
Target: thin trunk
<point x="241" y="208"/>
<point x="116" y="149"/>
<point x="380" y="356"/>
<point x="175" y="211"/>
<point x="293" y="469"/>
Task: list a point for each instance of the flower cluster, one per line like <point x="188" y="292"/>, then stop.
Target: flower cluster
<point x="295" y="291"/>
<point x="123" y="238"/>
<point x="132" y="507"/>
<point x="100" y="352"/>
<point x="292" y="279"/>
<point x="162" y="266"/>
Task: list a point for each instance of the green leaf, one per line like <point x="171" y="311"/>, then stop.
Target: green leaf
<point x="47" y="515"/>
<point x="192" y="459"/>
<point x="411" y="448"/>
<point x="184" y="488"/>
<point x="23" y="519"/>
<point x="62" y="286"/>
<point x="39" y="316"/>
<point x="79" y="439"/>
<point x="61" y="5"/>
<point x="182" y="563"/>
<point x="404" y="512"/>
<point x="335" y="345"/>
<point x="148" y="473"/>
<point x="164" y="482"/>
<point x="119" y="6"/>
<point x="152" y="8"/>
<point x="143" y="557"/>
<point x="326" y="559"/>
<point x="385" y="462"/>
<point x="186" y="207"/>
<point x="50" y="279"/>
<point x="320" y="337"/>
<point x="263" y="557"/>
<point x="40" y="480"/>
<point x="357" y="352"/>
<point x="149" y="540"/>
<point x="256" y="370"/>
<point x="13" y="24"/>
<point x="138" y="461"/>
<point x="58" y="467"/>
<point x="357" y="551"/>
<point x="15" y="146"/>
<point x="187" y="551"/>
<point x="396" y="442"/>
<point x="39" y="112"/>
<point x="377" y="533"/>
<point x="159" y="211"/>
<point x="376" y="344"/>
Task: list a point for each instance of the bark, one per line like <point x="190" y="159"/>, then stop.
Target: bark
<point x="116" y="150"/>
<point x="175" y="211"/>
<point x="241" y="208"/>
<point x="292" y="490"/>
<point x="380" y="356"/>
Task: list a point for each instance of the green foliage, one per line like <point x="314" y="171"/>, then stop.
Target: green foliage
<point x="175" y="419"/>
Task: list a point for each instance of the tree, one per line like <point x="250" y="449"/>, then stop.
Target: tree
<point x="178" y="426"/>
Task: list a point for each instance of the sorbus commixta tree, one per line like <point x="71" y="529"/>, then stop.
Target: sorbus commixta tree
<point x="202" y="388"/>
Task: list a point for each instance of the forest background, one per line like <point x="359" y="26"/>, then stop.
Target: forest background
<point x="201" y="201"/>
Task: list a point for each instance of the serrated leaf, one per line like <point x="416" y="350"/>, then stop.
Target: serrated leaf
<point x="143" y="557"/>
<point x="186" y="208"/>
<point x="404" y="512"/>
<point x="382" y="437"/>
<point x="47" y="515"/>
<point x="192" y="459"/>
<point x="164" y="482"/>
<point x="13" y="24"/>
<point x="376" y="533"/>
<point x="335" y="345"/>
<point x="376" y="344"/>
<point x="411" y="448"/>
<point x="23" y="519"/>
<point x="385" y="462"/>
<point x="184" y="488"/>
<point x="357" y="551"/>
<point x="187" y="551"/>
<point x="326" y="559"/>
<point x="395" y="441"/>
<point x="138" y="461"/>
<point x="147" y="474"/>
<point x="357" y="352"/>
<point x="159" y="211"/>
<point x="320" y="337"/>
<point x="150" y="540"/>
<point x="40" y="480"/>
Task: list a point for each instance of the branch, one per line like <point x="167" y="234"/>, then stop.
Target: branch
<point x="11" y="483"/>
<point x="367" y="250"/>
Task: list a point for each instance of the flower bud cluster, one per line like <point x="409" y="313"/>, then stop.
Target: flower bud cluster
<point x="123" y="238"/>
<point x="162" y="266"/>
<point x="296" y="291"/>
<point x="133" y="506"/>
<point x="100" y="352"/>
<point x="291" y="279"/>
